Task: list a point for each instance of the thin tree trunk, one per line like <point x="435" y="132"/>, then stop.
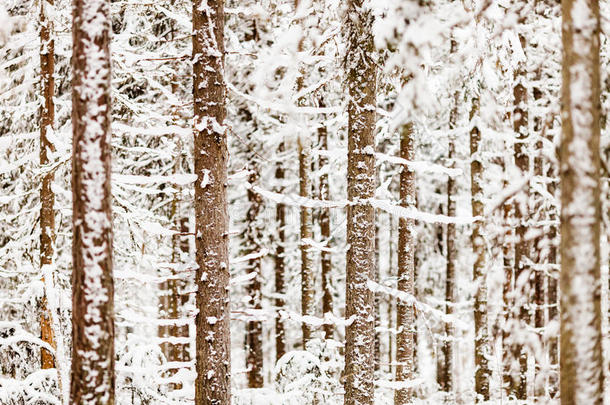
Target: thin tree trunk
<point x="391" y="299"/>
<point x="326" y="257"/>
<point x="93" y="378"/>
<point x="280" y="214"/>
<point x="481" y="340"/>
<point x="254" y="328"/>
<point x="581" y="362"/>
<point x="308" y="307"/>
<point x="522" y="246"/>
<point x="213" y="381"/>
<point x="446" y="374"/>
<point x="405" y="320"/>
<point x="47" y="196"/>
<point x="360" y="260"/>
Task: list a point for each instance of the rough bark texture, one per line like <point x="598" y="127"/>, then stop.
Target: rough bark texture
<point x="405" y="311"/>
<point x="47" y="197"/>
<point x="518" y="386"/>
<point x="212" y="384"/>
<point x="280" y="215"/>
<point x="581" y="365"/>
<point x="93" y="379"/>
<point x="360" y="260"/>
<point x="326" y="257"/>
<point x="481" y="340"/>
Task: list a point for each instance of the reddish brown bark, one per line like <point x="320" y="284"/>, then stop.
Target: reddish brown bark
<point x="280" y="214"/>
<point x="213" y="381"/>
<point x="360" y="260"/>
<point x="47" y="196"/>
<point x="93" y="378"/>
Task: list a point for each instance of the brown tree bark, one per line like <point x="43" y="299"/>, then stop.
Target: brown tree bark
<point x="326" y="257"/>
<point x="308" y="305"/>
<point x="581" y="361"/>
<point x="445" y="376"/>
<point x="522" y="246"/>
<point x="47" y="196"/>
<point x="360" y="259"/>
<point x="213" y="381"/>
<point x="280" y="215"/>
<point x="254" y="328"/>
<point x="481" y="340"/>
<point x="405" y="319"/>
<point x="93" y="378"/>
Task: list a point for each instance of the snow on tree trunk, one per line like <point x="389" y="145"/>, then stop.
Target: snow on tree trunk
<point x="280" y="216"/>
<point x="93" y="378"/>
<point x="581" y="362"/>
<point x="520" y="315"/>
<point x="405" y="311"/>
<point x="360" y="259"/>
<point x="481" y="339"/>
<point x="213" y="381"/>
<point x="47" y="196"/>
<point x="326" y="257"/>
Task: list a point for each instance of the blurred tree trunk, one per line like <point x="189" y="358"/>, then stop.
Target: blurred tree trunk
<point x="360" y="260"/>
<point x="405" y="321"/>
<point x="481" y="340"/>
<point x="326" y="257"/>
<point x="280" y="216"/>
<point x="93" y="377"/>
<point x="213" y="361"/>
<point x="581" y="362"/>
<point x="522" y="271"/>
<point x="47" y="196"/>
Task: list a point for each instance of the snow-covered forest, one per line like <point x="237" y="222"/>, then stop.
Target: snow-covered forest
<point x="264" y="202"/>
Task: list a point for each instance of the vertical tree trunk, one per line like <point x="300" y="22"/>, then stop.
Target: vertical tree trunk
<point x="391" y="299"/>
<point x="326" y="257"/>
<point x="405" y="320"/>
<point x="280" y="215"/>
<point x="213" y="381"/>
<point x="360" y="260"/>
<point x="254" y="328"/>
<point x="481" y="340"/>
<point x="47" y="197"/>
<point x="308" y="307"/>
<point x="446" y="374"/>
<point x="93" y="379"/>
<point x="581" y="363"/>
<point x="552" y="298"/>
<point x="522" y="246"/>
<point x="507" y="287"/>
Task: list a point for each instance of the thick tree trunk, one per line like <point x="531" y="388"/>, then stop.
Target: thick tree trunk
<point x="405" y="320"/>
<point x="326" y="257"/>
<point x="93" y="378"/>
<point x="360" y="260"/>
<point x="280" y="215"/>
<point x="47" y="196"/>
<point x="481" y="340"/>
<point x="581" y="363"/>
<point x="213" y="381"/>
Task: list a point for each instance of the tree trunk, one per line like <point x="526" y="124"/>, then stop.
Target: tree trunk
<point x="360" y="260"/>
<point x="446" y="374"/>
<point x="93" y="378"/>
<point x="581" y="363"/>
<point x="254" y="328"/>
<point x="405" y="320"/>
<point x="213" y="381"/>
<point x="522" y="247"/>
<point x="280" y="215"/>
<point x="47" y="196"/>
<point x="481" y="340"/>
<point x="326" y="257"/>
